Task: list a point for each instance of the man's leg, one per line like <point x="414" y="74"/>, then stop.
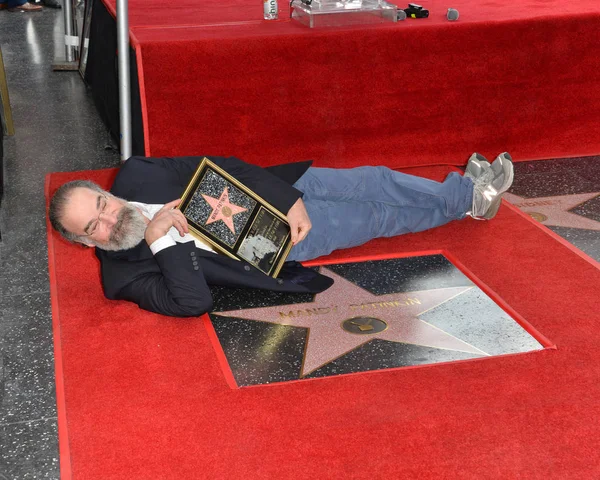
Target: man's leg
<point x="349" y="207"/>
<point x="383" y="185"/>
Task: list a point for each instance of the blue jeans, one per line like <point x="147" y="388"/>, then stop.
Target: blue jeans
<point x="13" y="3"/>
<point x="349" y="207"/>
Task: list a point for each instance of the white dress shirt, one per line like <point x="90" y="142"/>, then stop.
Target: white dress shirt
<point x="172" y="237"/>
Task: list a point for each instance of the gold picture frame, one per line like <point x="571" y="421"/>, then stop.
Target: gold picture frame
<point x="235" y="220"/>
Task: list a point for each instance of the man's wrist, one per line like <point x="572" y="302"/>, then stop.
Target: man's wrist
<point x="153" y="234"/>
<point x="161" y="243"/>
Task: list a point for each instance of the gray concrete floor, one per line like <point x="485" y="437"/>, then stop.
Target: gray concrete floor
<point x="58" y="129"/>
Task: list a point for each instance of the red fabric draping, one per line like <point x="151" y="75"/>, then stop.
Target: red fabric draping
<point x="523" y="78"/>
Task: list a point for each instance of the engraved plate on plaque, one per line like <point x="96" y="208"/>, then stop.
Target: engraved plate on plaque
<point x="234" y="220"/>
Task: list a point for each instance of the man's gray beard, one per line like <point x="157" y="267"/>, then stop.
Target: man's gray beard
<point x="127" y="232"/>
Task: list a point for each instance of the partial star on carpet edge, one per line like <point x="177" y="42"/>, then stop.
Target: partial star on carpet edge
<point x="556" y="209"/>
<point x="218" y="204"/>
<point x="326" y="341"/>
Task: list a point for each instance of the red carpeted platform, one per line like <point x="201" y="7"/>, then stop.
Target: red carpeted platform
<point x="143" y="396"/>
<point x="215" y="77"/>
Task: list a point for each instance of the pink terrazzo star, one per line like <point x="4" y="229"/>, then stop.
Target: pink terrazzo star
<point x="554" y="211"/>
<point x="346" y="302"/>
<point x="223" y="210"/>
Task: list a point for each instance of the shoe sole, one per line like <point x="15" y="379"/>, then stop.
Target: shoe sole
<point x="493" y="210"/>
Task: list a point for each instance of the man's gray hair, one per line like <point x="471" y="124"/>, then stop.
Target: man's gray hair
<point x="59" y="202"/>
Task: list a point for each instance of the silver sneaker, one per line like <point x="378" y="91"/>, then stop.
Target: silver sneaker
<point x="476" y="166"/>
<point x="489" y="187"/>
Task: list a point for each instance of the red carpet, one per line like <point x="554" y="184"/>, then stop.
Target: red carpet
<point x="523" y="78"/>
<point x="143" y="396"/>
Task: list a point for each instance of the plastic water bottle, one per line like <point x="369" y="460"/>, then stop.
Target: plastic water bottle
<point x="271" y="9"/>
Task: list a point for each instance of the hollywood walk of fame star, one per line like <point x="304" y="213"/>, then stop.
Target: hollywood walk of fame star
<point x="223" y="209"/>
<point x="328" y="338"/>
<point x="554" y="211"/>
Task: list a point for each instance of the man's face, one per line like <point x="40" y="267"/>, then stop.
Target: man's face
<point x="103" y="220"/>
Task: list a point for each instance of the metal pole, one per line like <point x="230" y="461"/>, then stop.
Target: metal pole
<point x="71" y="60"/>
<point x="69" y="37"/>
<point x="124" y="82"/>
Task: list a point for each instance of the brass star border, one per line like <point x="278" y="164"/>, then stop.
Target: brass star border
<point x="327" y="340"/>
<point x="335" y="321"/>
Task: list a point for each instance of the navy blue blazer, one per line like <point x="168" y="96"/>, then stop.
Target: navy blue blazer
<point x="168" y="282"/>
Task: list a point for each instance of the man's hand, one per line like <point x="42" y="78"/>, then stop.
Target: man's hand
<point x="164" y="219"/>
<point x="299" y="221"/>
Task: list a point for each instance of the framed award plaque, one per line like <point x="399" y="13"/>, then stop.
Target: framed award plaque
<point x="234" y="220"/>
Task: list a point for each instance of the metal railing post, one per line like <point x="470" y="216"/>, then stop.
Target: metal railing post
<point x="124" y="79"/>
<point x="71" y="60"/>
<point x="71" y="37"/>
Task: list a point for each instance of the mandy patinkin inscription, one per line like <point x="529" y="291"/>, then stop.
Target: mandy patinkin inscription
<point x="235" y="220"/>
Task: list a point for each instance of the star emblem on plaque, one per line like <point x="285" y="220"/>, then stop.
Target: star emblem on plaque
<point x="351" y="328"/>
<point x="223" y="209"/>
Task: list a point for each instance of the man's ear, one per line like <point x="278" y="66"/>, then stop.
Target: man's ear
<point x="85" y="242"/>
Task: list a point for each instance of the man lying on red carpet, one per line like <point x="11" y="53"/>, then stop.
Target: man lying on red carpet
<point x="148" y="256"/>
